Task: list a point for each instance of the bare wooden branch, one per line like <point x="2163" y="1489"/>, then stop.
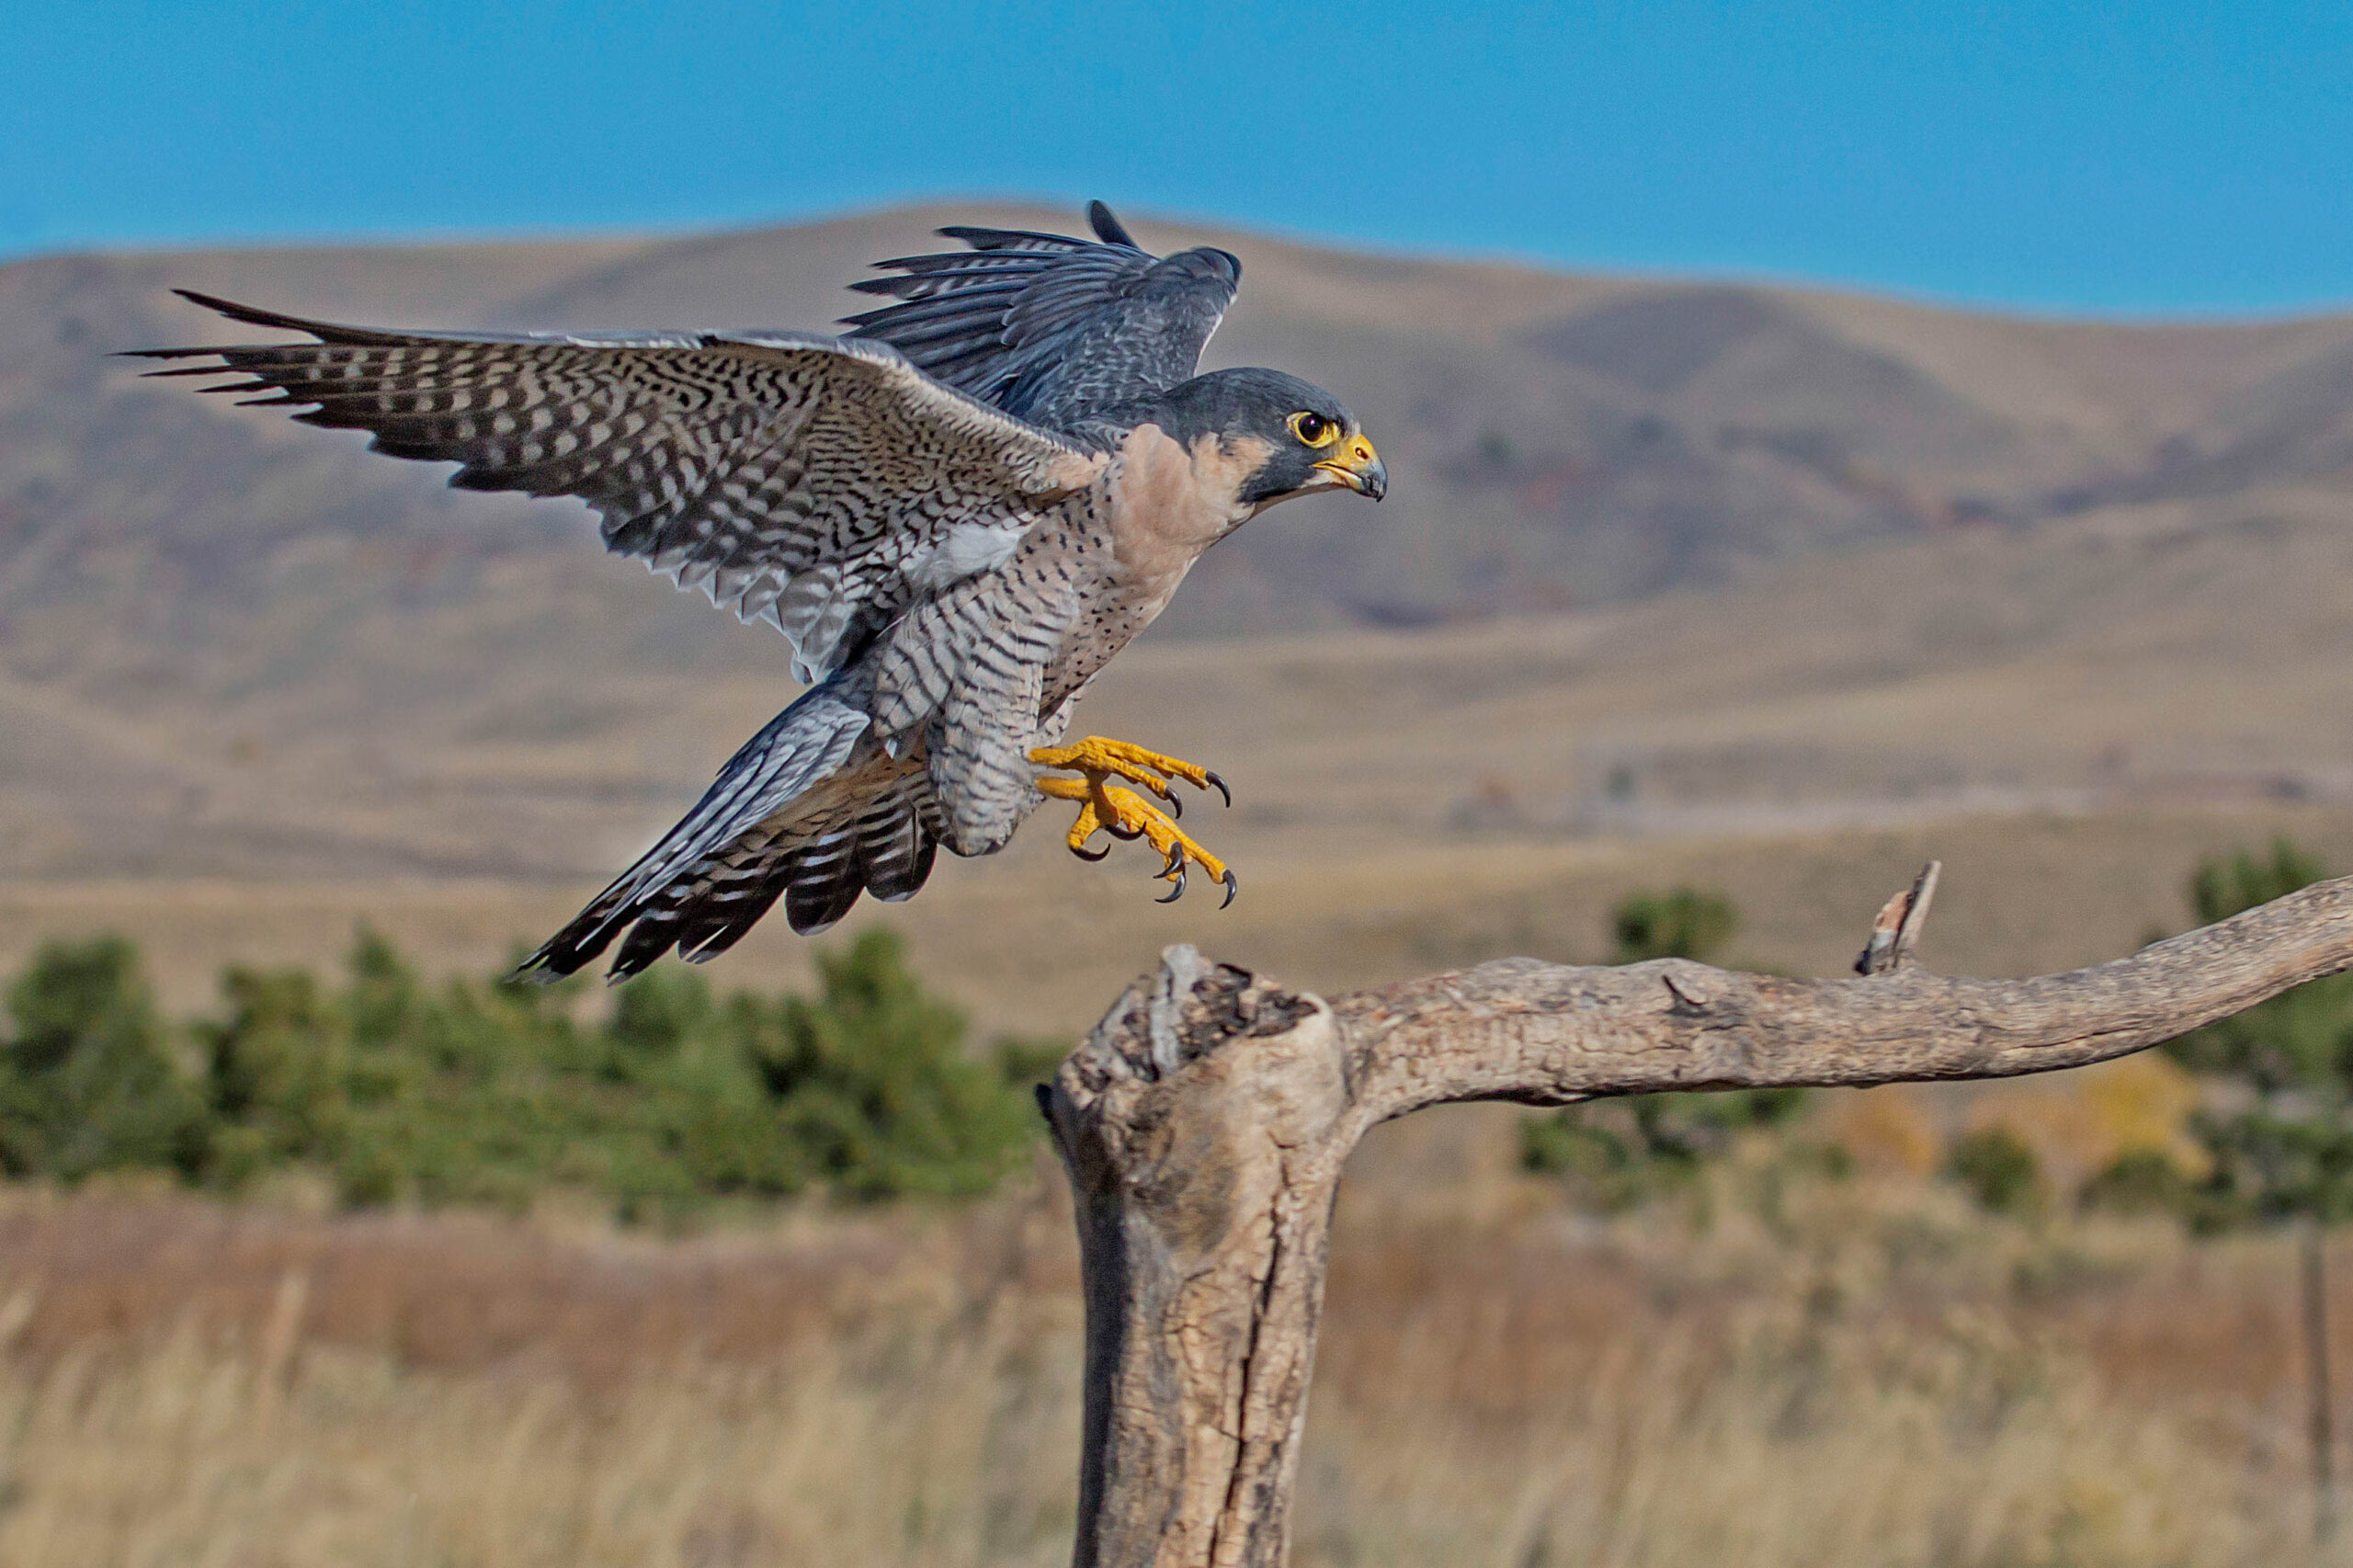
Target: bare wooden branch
<point x="1205" y="1121"/>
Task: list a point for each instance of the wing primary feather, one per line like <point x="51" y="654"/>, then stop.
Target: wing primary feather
<point x="984" y="262"/>
<point x="1108" y="229"/>
<point x="1049" y="327"/>
<point x="253" y="316"/>
<point x="1007" y="239"/>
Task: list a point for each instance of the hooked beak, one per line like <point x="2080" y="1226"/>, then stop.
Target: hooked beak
<point x="1358" y="466"/>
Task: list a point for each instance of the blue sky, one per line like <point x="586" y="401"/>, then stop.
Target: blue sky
<point x="2159" y="157"/>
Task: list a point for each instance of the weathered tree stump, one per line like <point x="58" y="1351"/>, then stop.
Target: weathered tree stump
<point x="1205" y="1121"/>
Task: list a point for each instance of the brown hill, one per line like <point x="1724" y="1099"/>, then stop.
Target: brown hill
<point x="1711" y="559"/>
<point x="1558" y="440"/>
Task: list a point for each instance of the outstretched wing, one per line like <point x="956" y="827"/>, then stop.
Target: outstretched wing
<point x="1049" y="328"/>
<point x="820" y="484"/>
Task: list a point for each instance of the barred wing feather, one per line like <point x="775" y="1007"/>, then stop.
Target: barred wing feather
<point x="807" y="481"/>
<point x="1049" y="328"/>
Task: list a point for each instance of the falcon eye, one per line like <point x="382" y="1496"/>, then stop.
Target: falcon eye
<point x="1313" y="429"/>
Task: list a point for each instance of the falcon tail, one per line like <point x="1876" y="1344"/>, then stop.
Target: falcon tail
<point x="802" y="813"/>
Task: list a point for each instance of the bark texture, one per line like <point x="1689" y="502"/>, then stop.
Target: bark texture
<point x="1205" y="1121"/>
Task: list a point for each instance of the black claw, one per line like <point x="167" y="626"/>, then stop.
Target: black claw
<point x="1175" y="892"/>
<point x="1176" y="806"/>
<point x="1231" y="886"/>
<point x="1081" y="851"/>
<point x="1175" y="861"/>
<point x="1219" y="784"/>
<point x="1124" y="834"/>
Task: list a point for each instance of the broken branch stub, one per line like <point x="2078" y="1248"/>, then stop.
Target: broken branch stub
<point x="1205" y="1121"/>
<point x="1896" y="933"/>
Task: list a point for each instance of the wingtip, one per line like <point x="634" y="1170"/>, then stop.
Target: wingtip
<point x="538" y="969"/>
<point x="1108" y="228"/>
<point x="627" y="966"/>
<point x="230" y="308"/>
<point x="255" y="316"/>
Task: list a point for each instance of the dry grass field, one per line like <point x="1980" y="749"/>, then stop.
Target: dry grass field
<point x="1796" y="1373"/>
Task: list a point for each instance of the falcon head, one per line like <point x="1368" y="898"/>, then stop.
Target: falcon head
<point x="1297" y="438"/>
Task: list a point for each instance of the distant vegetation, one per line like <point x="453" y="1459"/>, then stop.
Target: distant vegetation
<point x="2275" y="1138"/>
<point x="2280" y="1141"/>
<point x="395" y="1089"/>
<point x="2277" y="1132"/>
<point x="1998" y="1168"/>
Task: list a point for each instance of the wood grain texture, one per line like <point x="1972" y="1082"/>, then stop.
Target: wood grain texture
<point x="1205" y="1122"/>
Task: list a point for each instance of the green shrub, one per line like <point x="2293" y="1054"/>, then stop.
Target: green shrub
<point x="2143" y="1181"/>
<point x="397" y="1090"/>
<point x="2000" y="1172"/>
<point x="1617" y="1153"/>
<point x="2279" y="1137"/>
<point x="1684" y="924"/>
<point x="870" y="1079"/>
<point x="86" y="1084"/>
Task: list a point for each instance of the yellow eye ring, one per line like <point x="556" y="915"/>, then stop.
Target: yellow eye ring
<point x="1313" y="429"/>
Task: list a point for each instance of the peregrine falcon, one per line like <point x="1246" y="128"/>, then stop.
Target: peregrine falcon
<point x="956" y="514"/>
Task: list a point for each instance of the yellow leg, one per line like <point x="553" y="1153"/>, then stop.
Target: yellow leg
<point x="1107" y="807"/>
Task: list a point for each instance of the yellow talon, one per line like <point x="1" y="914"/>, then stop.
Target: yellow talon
<point x="1121" y="813"/>
<point x="1100" y="759"/>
